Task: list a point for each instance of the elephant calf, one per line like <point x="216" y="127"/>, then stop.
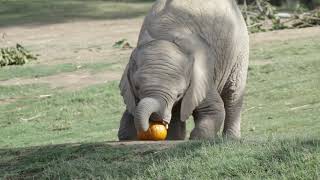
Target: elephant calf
<point x="191" y="59"/>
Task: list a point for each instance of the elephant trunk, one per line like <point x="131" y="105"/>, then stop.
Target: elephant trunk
<point x="145" y="108"/>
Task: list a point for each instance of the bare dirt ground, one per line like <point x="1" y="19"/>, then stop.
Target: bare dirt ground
<point x="284" y="35"/>
<point x="74" y="42"/>
<point x="91" y="42"/>
<point x="68" y="81"/>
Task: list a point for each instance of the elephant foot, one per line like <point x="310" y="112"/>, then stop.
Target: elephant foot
<point x="127" y="130"/>
<point x="229" y="134"/>
<point x="201" y="134"/>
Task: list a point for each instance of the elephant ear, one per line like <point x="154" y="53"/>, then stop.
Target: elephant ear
<point x="126" y="88"/>
<point x="200" y="81"/>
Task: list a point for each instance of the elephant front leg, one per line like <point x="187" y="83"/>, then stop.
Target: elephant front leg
<point x="177" y="128"/>
<point x="208" y="117"/>
<point x="127" y="130"/>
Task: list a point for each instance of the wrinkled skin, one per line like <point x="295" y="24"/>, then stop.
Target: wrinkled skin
<point x="191" y="59"/>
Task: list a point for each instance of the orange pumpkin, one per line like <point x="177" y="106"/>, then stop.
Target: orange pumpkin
<point x="157" y="132"/>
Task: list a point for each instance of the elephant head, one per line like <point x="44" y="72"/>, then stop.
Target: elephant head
<point x="159" y="75"/>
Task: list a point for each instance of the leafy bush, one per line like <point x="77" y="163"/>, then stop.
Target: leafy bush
<point x="122" y="44"/>
<point x="15" y="56"/>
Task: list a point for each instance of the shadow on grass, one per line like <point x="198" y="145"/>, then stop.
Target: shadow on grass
<point x="41" y="12"/>
<point x="153" y="160"/>
<point x="107" y="160"/>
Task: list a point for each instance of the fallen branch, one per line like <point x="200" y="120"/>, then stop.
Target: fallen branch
<point x="31" y="118"/>
<point x="45" y="96"/>
<point x="249" y="109"/>
<point x="299" y="107"/>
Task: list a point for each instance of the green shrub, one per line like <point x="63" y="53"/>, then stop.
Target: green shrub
<point x="15" y="56"/>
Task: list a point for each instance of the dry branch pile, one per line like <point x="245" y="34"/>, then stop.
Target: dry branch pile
<point x="260" y="16"/>
<point x="307" y="19"/>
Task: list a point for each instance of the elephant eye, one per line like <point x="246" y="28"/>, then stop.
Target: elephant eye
<point x="137" y="87"/>
<point x="179" y="95"/>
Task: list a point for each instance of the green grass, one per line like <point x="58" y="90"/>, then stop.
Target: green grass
<point x="280" y="159"/>
<point x="280" y="129"/>
<point x="88" y="115"/>
<point x="37" y="12"/>
<point x="24" y="92"/>
<point x="284" y="93"/>
<point x="36" y="71"/>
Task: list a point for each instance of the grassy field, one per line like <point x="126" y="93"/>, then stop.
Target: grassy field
<point x="67" y="135"/>
<point x="63" y="136"/>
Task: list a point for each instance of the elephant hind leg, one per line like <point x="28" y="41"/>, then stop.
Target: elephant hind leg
<point x="232" y="96"/>
<point x="232" y="123"/>
<point x="127" y="130"/>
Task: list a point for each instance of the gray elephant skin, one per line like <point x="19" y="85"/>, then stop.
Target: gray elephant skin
<point x="191" y="59"/>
